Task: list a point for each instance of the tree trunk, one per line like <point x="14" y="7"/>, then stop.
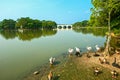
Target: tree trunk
<point x="107" y="48"/>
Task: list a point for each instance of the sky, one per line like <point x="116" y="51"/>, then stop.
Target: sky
<point x="60" y="11"/>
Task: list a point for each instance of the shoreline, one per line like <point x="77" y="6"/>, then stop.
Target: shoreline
<point x="64" y="64"/>
<point x="45" y="68"/>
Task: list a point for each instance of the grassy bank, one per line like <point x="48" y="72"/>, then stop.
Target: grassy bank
<point x="77" y="68"/>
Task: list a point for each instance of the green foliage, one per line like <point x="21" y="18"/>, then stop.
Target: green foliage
<point x="80" y="24"/>
<point x="100" y="13"/>
<point x="37" y="24"/>
<point x="0" y="25"/>
<point x="116" y="31"/>
<point x="27" y="23"/>
<point x="48" y="24"/>
<point x="7" y="24"/>
<point x="115" y="42"/>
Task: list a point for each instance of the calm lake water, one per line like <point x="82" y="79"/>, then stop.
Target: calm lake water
<point x="22" y="52"/>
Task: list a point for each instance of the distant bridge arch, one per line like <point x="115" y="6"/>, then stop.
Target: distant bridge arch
<point x="64" y="26"/>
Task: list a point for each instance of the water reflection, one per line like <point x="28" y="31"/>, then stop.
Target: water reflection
<point x="19" y="57"/>
<point x="94" y="31"/>
<point x="7" y="34"/>
<point x="27" y="35"/>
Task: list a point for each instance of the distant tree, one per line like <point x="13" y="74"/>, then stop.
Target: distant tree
<point x="85" y="23"/>
<point x="81" y="24"/>
<point x="23" y="23"/>
<point x="28" y="23"/>
<point x="0" y="25"/>
<point x="49" y="24"/>
<point x="7" y="24"/>
<point x="37" y="24"/>
<point x="44" y="24"/>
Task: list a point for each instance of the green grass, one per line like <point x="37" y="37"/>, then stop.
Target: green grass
<point x="71" y="72"/>
<point x="72" y="69"/>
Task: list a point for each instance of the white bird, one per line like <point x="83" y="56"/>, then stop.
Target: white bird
<point x="70" y="50"/>
<point x="77" y="49"/>
<point x="89" y="48"/>
<point x="36" y="72"/>
<point x="52" y="60"/>
<point x="77" y="53"/>
<point x="97" y="48"/>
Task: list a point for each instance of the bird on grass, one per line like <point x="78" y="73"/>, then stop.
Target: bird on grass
<point x="77" y="53"/>
<point x="97" y="48"/>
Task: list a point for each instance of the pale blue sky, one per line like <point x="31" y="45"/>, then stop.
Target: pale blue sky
<point x="60" y="11"/>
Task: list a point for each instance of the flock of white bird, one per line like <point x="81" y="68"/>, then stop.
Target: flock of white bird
<point x="89" y="48"/>
<point x="71" y="50"/>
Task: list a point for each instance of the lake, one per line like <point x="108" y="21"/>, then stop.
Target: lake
<point x="20" y="52"/>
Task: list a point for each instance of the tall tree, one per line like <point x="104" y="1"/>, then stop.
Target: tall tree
<point x="23" y="22"/>
<point x="28" y="23"/>
<point x="49" y="24"/>
<point x="106" y="13"/>
<point x="8" y="24"/>
<point x="80" y="24"/>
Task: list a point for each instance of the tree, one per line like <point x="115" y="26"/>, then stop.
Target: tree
<point x="112" y="5"/>
<point x="37" y="24"/>
<point x="28" y="23"/>
<point x="98" y="17"/>
<point x="8" y="24"/>
<point x="81" y="24"/>
<point x="107" y="11"/>
<point x="23" y="23"/>
<point x="49" y="24"/>
<point x="0" y="25"/>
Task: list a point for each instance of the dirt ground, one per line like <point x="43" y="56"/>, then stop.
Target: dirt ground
<point x="79" y="68"/>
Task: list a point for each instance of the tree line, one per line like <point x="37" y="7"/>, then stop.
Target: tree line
<point x="81" y="24"/>
<point x="104" y="13"/>
<point x="27" y="23"/>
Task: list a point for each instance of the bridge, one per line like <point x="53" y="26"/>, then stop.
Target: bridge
<point x="64" y="26"/>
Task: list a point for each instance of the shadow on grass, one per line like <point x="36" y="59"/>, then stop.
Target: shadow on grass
<point x="56" y="78"/>
<point x="57" y="62"/>
<point x="52" y="66"/>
